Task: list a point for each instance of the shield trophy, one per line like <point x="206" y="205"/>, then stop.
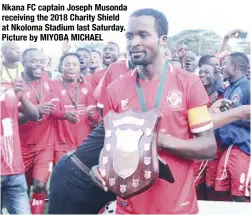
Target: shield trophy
<point x="128" y="161"/>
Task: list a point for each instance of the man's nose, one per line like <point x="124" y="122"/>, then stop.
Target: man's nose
<point x="135" y="41"/>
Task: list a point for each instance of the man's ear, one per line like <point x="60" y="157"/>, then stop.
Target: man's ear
<point x="163" y="40"/>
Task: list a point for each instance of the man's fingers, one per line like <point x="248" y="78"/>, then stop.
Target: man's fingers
<point x="97" y="178"/>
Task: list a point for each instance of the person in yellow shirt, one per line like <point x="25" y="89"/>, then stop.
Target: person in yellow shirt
<point x="12" y="68"/>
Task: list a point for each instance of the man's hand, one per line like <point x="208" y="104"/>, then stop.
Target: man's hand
<point x="233" y="34"/>
<point x="214" y="97"/>
<point x="221" y="104"/>
<point x="46" y="108"/>
<point x="72" y="117"/>
<point x="93" y="116"/>
<point x="18" y="87"/>
<point x="92" y="113"/>
<point x="97" y="179"/>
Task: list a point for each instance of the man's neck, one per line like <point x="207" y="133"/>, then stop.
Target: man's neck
<point x="69" y="81"/>
<point x="10" y="65"/>
<point x="209" y="88"/>
<point x="28" y="78"/>
<point x="153" y="70"/>
<point x="236" y="78"/>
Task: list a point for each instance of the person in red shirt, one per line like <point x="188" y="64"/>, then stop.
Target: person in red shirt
<point x="13" y="103"/>
<point x="75" y="95"/>
<point x="184" y="114"/>
<point x="114" y="71"/>
<point x="110" y="55"/>
<point x="37" y="138"/>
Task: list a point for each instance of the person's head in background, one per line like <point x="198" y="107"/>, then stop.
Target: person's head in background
<point x="213" y="61"/>
<point x="235" y="66"/>
<point x="110" y="53"/>
<point x="71" y="67"/>
<point x="189" y="62"/>
<point x="96" y="61"/>
<point x="207" y="75"/>
<point x="182" y="50"/>
<point x="85" y="59"/>
<point x="167" y="54"/>
<point x="11" y="53"/>
<point x="31" y="60"/>
<point x="175" y="63"/>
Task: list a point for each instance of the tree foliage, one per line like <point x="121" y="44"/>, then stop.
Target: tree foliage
<point x="199" y="41"/>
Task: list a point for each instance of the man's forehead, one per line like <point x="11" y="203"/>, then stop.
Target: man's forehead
<point x="82" y="52"/>
<point x="141" y="23"/>
<point x="95" y="54"/>
<point x="70" y="58"/>
<point x="10" y="45"/>
<point x="191" y="54"/>
<point x="34" y="55"/>
<point x="110" y="45"/>
<point x="206" y="67"/>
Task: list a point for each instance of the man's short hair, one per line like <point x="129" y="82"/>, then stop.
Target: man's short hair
<point x="94" y="50"/>
<point x="83" y="49"/>
<point x="240" y="60"/>
<point x="68" y="54"/>
<point x="116" y="44"/>
<point x="26" y="51"/>
<point x="205" y="59"/>
<point x="161" y="23"/>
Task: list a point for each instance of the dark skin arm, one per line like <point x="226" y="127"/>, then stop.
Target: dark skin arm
<point x="203" y="147"/>
<point x="231" y="34"/>
<point x="28" y="110"/>
<point x="231" y="115"/>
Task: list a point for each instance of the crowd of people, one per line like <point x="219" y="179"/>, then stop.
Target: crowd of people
<point x="52" y="123"/>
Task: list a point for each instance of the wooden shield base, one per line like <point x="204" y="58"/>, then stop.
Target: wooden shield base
<point x="129" y="159"/>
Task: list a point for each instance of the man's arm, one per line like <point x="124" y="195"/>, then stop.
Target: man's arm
<point x="28" y="110"/>
<point x="203" y="147"/>
<point x="232" y="115"/>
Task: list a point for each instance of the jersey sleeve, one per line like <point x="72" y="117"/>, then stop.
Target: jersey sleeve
<point x="197" y="100"/>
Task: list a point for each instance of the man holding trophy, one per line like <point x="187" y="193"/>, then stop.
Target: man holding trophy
<point x="155" y="118"/>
